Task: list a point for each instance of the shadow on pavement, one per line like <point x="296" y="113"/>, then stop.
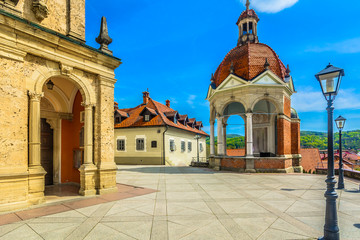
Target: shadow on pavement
<point x="167" y="170"/>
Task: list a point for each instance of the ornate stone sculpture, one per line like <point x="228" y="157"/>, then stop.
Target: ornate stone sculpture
<point x="103" y="39"/>
<point x="40" y="9"/>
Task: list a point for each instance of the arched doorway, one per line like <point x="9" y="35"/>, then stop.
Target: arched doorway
<point x="264" y="128"/>
<point x="234" y="129"/>
<point x="62" y="115"/>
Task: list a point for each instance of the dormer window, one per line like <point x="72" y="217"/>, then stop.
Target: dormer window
<point x="148" y="114"/>
<point x="117" y="120"/>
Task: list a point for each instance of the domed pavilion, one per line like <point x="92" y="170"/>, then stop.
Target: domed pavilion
<point x="253" y="83"/>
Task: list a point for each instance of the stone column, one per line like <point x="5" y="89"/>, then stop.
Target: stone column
<point x="212" y="138"/>
<point x="220" y="137"/>
<point x="36" y="171"/>
<point x="88" y="169"/>
<point x="249" y="135"/>
<point x="224" y="141"/>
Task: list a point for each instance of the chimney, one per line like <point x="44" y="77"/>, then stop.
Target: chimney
<point x="116" y="105"/>
<point x="168" y="103"/>
<point x="145" y="97"/>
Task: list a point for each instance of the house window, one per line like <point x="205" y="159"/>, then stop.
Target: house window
<point x="117" y="120"/>
<point x="154" y="144"/>
<point x="140" y="144"/>
<point x="182" y="146"/>
<point x="147" y="118"/>
<point x="120" y="145"/>
<point x="189" y="146"/>
<point x="172" y="145"/>
<point x="201" y="147"/>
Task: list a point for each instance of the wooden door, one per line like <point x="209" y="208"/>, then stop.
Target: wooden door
<point x="47" y="151"/>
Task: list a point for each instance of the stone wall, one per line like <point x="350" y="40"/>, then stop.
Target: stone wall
<point x="63" y="16"/>
<point x="243" y="164"/>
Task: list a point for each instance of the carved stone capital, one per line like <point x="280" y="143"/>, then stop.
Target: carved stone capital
<point x="40" y="9"/>
<point x="35" y="95"/>
<point x="65" y="69"/>
<point x="87" y="104"/>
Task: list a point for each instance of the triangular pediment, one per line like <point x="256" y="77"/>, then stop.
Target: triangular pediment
<point x="267" y="79"/>
<point x="210" y="92"/>
<point x="231" y="81"/>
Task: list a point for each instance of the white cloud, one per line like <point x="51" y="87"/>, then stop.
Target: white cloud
<point x="190" y="100"/>
<point x="271" y="6"/>
<point x="346" y="46"/>
<point x="310" y="100"/>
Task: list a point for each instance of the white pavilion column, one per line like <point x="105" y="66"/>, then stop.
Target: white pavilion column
<point x="249" y="135"/>
<point x="212" y="138"/>
<point x="88" y="169"/>
<point x="36" y="171"/>
<point x="224" y="141"/>
<point x="220" y="138"/>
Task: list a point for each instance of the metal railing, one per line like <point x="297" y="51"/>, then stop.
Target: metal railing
<point x="201" y="159"/>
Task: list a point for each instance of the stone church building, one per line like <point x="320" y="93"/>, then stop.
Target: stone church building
<point x="56" y="102"/>
<point x="253" y="83"/>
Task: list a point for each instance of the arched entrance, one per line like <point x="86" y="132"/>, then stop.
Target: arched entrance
<point x="68" y="107"/>
<point x="61" y="113"/>
<point x="264" y="128"/>
<point x="234" y="126"/>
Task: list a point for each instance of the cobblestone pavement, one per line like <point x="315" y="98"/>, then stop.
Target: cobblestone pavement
<point x="195" y="203"/>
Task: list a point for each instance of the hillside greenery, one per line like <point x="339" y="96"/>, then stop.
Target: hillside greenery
<point x="308" y="139"/>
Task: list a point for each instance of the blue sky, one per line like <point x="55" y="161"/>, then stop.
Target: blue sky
<point x="172" y="47"/>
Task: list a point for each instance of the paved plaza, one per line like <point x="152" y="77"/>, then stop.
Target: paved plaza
<point x="195" y="203"/>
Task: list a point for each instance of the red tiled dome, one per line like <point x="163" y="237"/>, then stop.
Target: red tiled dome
<point x="248" y="62"/>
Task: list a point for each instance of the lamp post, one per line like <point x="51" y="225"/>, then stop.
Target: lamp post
<point x="340" y="123"/>
<point x="330" y="79"/>
<point x="197" y="137"/>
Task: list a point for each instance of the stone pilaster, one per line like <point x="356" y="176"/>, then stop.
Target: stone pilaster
<point x="106" y="181"/>
<point x="36" y="171"/>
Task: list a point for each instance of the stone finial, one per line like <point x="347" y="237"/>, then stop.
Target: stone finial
<point x="232" y="67"/>
<point x="103" y="39"/>
<point x="247" y="4"/>
<point x="267" y="64"/>
<point x="287" y="71"/>
<point x="212" y="78"/>
<point x="40" y="9"/>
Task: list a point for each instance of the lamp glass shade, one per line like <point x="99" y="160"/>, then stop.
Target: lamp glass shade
<point x="50" y="85"/>
<point x="330" y="79"/>
<point x="340" y="122"/>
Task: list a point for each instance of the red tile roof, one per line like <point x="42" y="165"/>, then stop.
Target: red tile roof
<point x="136" y="120"/>
<point x="248" y="62"/>
<point x="310" y="159"/>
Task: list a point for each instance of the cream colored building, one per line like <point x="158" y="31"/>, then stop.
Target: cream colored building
<point x="155" y="134"/>
<point x="56" y="97"/>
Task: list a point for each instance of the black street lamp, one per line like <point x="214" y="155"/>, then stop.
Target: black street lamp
<point x="50" y="85"/>
<point x="340" y="123"/>
<point x="330" y="79"/>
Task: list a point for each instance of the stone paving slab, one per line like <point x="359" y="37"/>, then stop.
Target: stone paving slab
<point x="196" y="203"/>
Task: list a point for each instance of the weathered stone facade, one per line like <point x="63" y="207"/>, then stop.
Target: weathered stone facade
<point x="32" y="52"/>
